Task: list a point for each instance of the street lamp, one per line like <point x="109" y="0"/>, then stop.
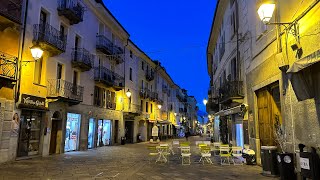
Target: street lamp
<point x="209" y="116"/>
<point x="36" y="52"/>
<point x="205" y="101"/>
<point x="175" y="114"/>
<point x="265" y="10"/>
<point x="159" y="106"/>
<point x="128" y="94"/>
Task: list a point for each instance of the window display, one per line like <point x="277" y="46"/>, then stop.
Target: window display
<point x="239" y="135"/>
<point x="29" y="137"/>
<point x="72" y="132"/>
<point x="91" y="133"/>
<point x="104" y="132"/>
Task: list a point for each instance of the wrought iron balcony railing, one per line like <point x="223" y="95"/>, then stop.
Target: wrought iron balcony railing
<point x="104" y="45"/>
<point x="11" y="9"/>
<point x="118" y="54"/>
<point x="64" y="90"/>
<point x="212" y="105"/>
<point x="8" y="66"/>
<point x="82" y="59"/>
<point x="108" y="78"/>
<point x="231" y="90"/>
<point x="145" y="93"/>
<point x="72" y="10"/>
<point x="149" y="75"/>
<point x="154" y="96"/>
<point x="49" y="38"/>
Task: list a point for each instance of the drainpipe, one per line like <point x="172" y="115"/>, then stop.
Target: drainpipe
<point x="21" y="49"/>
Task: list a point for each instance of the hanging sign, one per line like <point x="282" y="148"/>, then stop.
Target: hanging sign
<point x="33" y="101"/>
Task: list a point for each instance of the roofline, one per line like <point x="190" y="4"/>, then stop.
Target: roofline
<point x="105" y="7"/>
<point x="213" y="20"/>
<point x="135" y="45"/>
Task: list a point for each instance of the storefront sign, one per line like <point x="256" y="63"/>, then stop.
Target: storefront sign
<point x="34" y="101"/>
<point x="304" y="163"/>
<point x="155" y="131"/>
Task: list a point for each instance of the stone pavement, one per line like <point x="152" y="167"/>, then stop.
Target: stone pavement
<point x="122" y="162"/>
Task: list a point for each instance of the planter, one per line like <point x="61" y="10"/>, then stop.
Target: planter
<point x="286" y="166"/>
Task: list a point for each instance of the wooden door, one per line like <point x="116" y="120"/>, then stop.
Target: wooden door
<point x="264" y="118"/>
<point x="53" y="139"/>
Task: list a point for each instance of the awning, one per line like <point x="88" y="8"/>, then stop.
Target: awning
<point x="305" y="62"/>
<point x="164" y="122"/>
<point x="230" y="111"/>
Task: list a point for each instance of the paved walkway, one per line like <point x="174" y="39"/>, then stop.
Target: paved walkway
<point x="121" y="162"/>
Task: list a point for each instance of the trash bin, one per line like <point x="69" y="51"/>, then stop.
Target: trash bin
<point x="123" y="140"/>
<point x="269" y="161"/>
<point x="250" y="156"/>
<point x="286" y="166"/>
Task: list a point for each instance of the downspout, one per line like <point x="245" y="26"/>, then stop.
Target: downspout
<point x="21" y="49"/>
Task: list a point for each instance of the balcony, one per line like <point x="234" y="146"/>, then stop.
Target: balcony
<point x="145" y="93"/>
<point x="111" y="105"/>
<point x="154" y="96"/>
<point x="118" y="55"/>
<point x="11" y="9"/>
<point x="49" y="38"/>
<point x="64" y="91"/>
<point x="8" y="70"/>
<point x="72" y="10"/>
<point x="212" y="105"/>
<point x="132" y="109"/>
<point x="104" y="45"/>
<point x="108" y="78"/>
<point x="231" y="91"/>
<point x="82" y="59"/>
<point x="149" y="75"/>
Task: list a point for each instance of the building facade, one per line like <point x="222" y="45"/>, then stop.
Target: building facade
<point x="279" y="62"/>
<point x="90" y="88"/>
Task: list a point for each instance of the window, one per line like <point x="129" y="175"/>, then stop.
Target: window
<point x="141" y="104"/>
<point x="234" y="70"/>
<point x="59" y="71"/>
<point x="77" y="42"/>
<point x="151" y="109"/>
<point x="142" y="84"/>
<point x="37" y="71"/>
<point x="62" y="31"/>
<point x="233" y="24"/>
<point x="43" y="18"/>
<point x="130" y="53"/>
<point x="130" y="74"/>
<point x="142" y="65"/>
<point x="96" y="100"/>
<point x="147" y="106"/>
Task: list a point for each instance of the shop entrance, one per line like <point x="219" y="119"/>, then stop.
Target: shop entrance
<point x="29" y="136"/>
<point x="91" y="133"/>
<point x="104" y="133"/>
<point x="72" y="132"/>
<point x="269" y="109"/>
<point x="129" y="131"/>
<point x="56" y="133"/>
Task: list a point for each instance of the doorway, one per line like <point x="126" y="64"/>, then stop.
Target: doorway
<point x="91" y="133"/>
<point x="56" y="134"/>
<point x="129" y="131"/>
<point x="116" y="131"/>
<point x="104" y="133"/>
<point x="269" y="108"/>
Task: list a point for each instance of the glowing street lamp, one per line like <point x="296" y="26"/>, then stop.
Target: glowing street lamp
<point x="36" y="52"/>
<point x="159" y="106"/>
<point x="205" y="101"/>
<point x="128" y="93"/>
<point x="266" y="9"/>
<point x="209" y="116"/>
<point x="175" y="114"/>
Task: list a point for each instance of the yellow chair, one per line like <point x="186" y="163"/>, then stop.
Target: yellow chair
<point x="185" y="155"/>
<point x="184" y="144"/>
<point x="205" y="154"/>
<point x="237" y="155"/>
<point x="225" y="154"/>
<point x="153" y="152"/>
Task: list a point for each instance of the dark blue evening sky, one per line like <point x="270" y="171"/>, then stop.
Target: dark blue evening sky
<point x="175" y="32"/>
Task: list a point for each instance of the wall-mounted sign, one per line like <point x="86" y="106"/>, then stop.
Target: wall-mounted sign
<point x="33" y="101"/>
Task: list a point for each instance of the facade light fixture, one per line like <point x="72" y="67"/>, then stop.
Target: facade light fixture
<point x="209" y="116"/>
<point x="159" y="106"/>
<point x="128" y="93"/>
<point x="175" y="114"/>
<point x="36" y="52"/>
<point x="205" y="101"/>
<point x="266" y="9"/>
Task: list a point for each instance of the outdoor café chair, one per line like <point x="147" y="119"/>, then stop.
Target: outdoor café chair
<point x="237" y="155"/>
<point x="184" y="144"/>
<point x="205" y="154"/>
<point x="225" y="154"/>
<point x="153" y="152"/>
<point x="185" y="155"/>
<point x="163" y="151"/>
<point x="175" y="144"/>
<point x="215" y="147"/>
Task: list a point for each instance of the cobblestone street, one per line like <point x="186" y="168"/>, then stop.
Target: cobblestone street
<point x="122" y="162"/>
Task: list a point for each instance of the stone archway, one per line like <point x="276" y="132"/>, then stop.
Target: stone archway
<point x="56" y="133"/>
